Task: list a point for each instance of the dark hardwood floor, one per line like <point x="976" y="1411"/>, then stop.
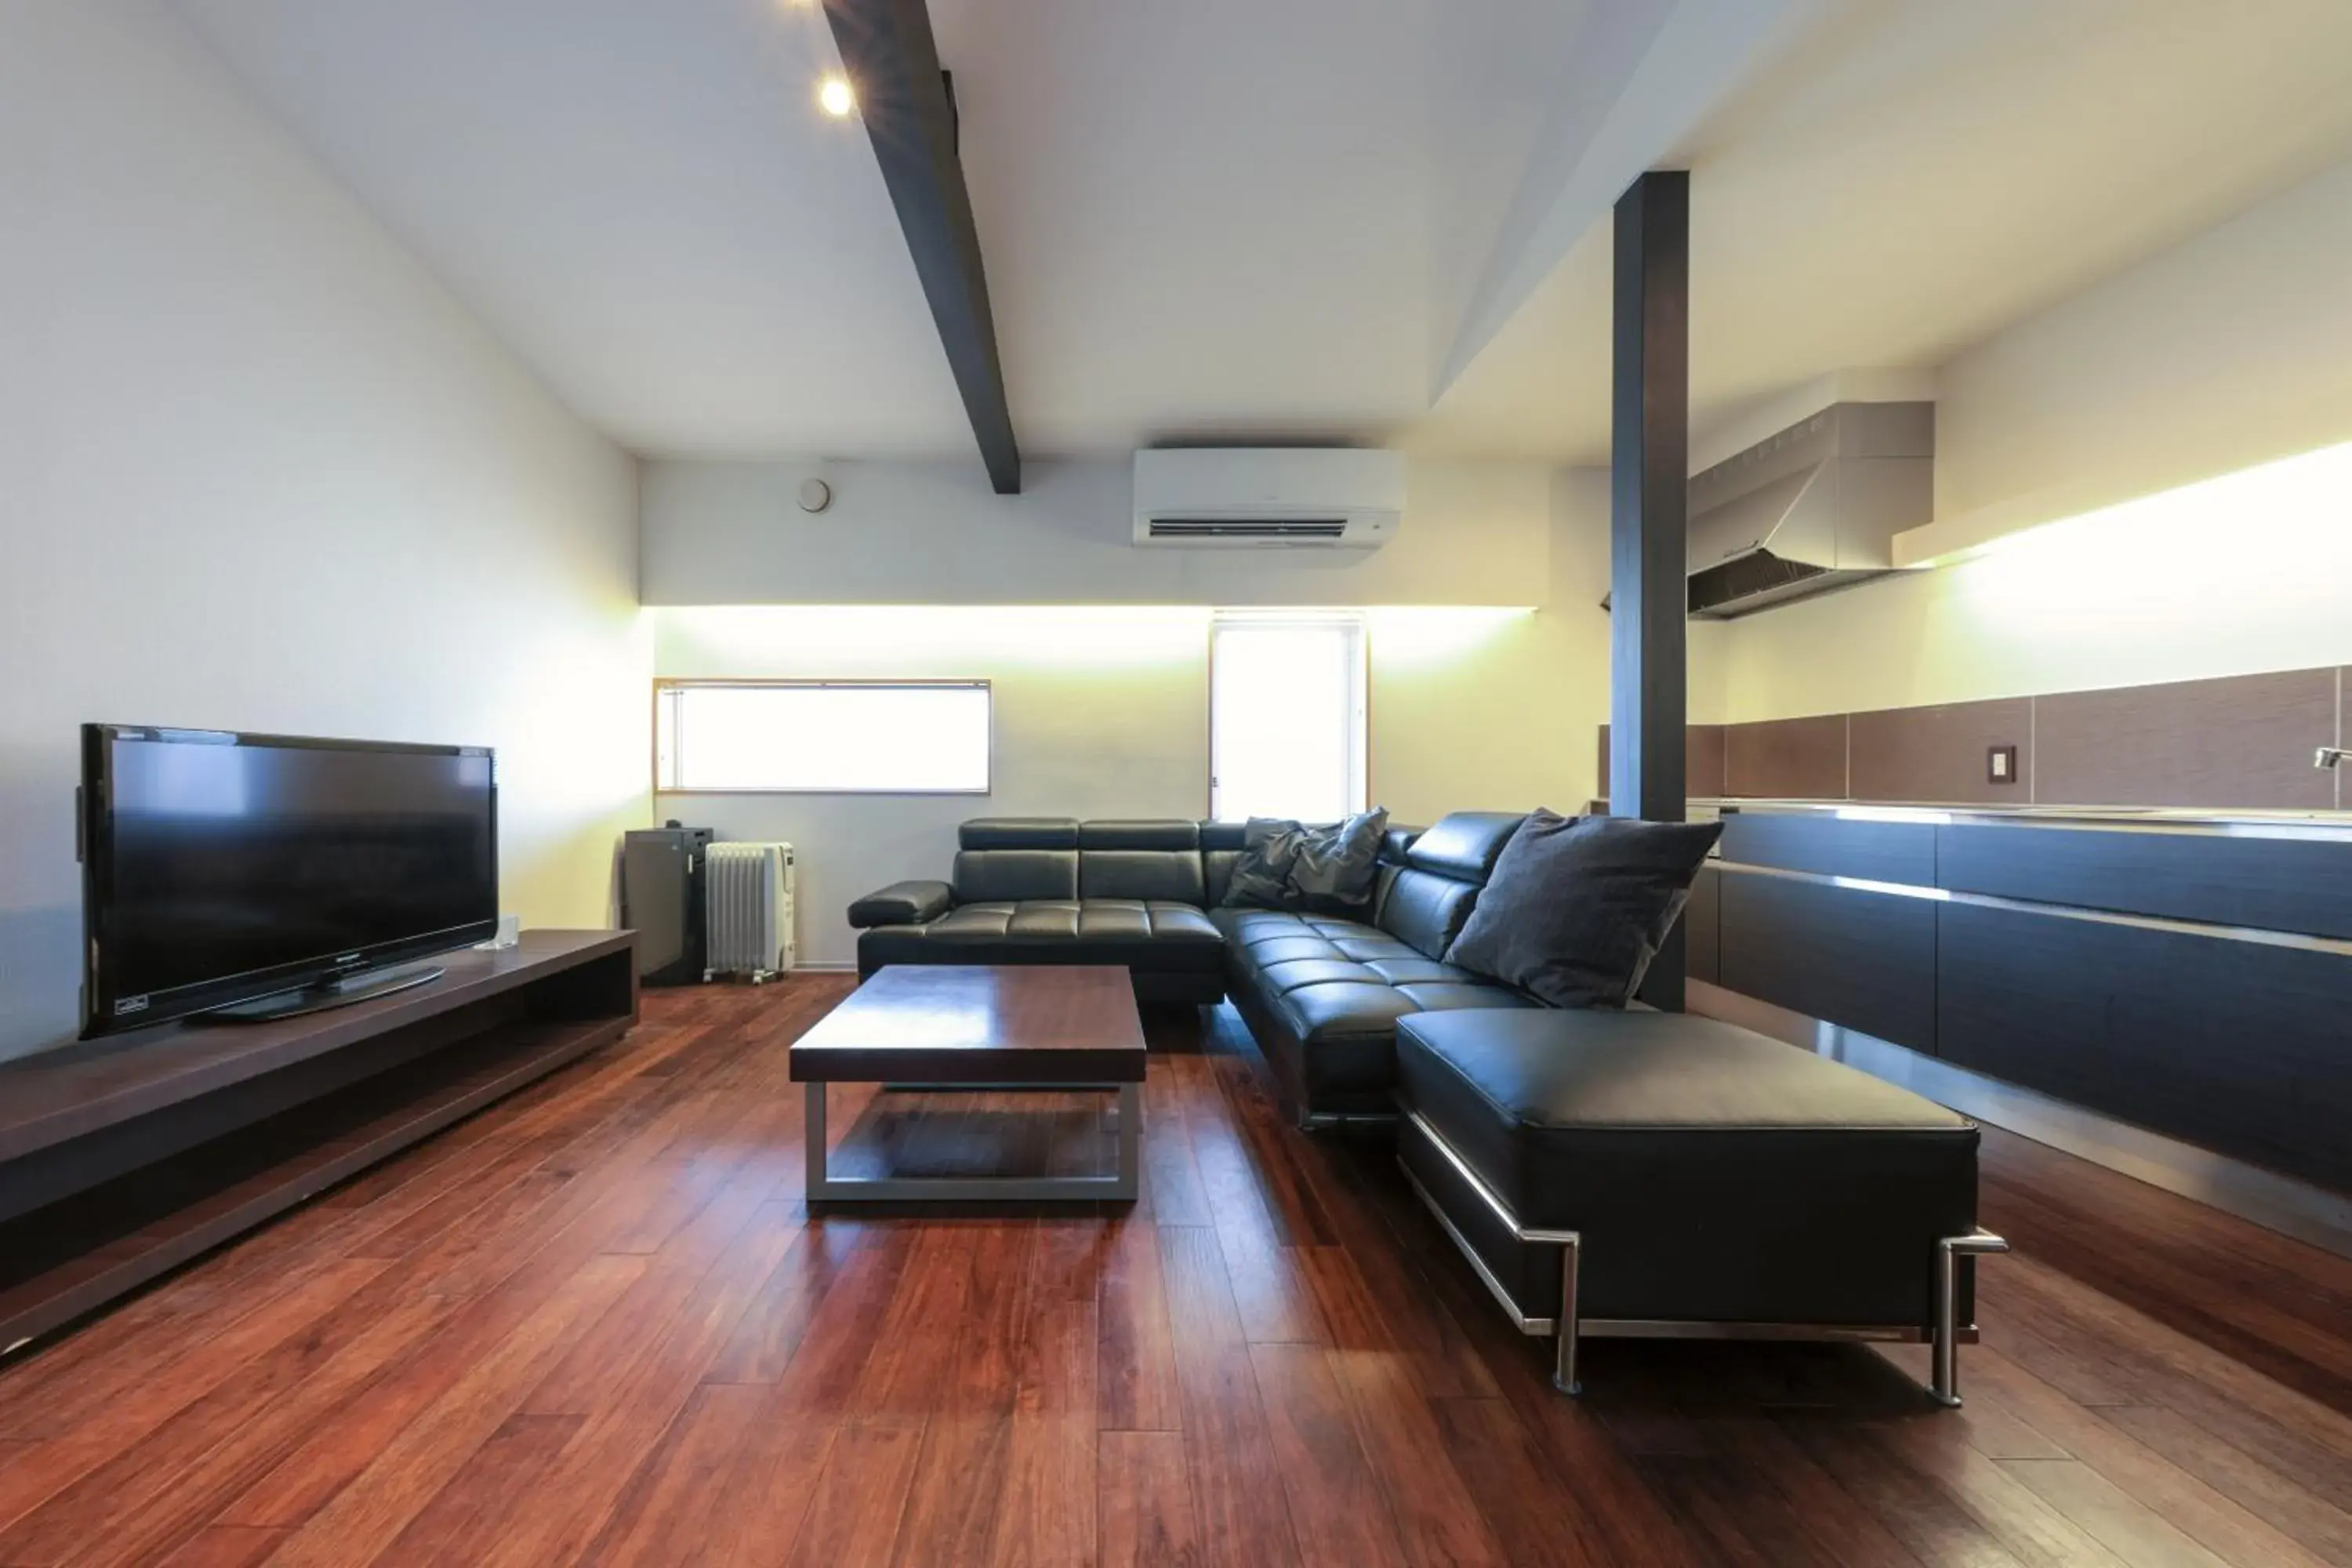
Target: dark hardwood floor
<point x="594" y="1324"/>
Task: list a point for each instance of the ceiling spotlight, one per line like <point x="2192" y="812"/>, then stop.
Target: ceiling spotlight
<point x="833" y="95"/>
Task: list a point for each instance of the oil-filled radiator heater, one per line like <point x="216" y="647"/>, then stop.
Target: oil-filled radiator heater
<point x="750" y="910"/>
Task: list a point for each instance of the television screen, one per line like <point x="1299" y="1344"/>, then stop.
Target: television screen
<point x="219" y="867"/>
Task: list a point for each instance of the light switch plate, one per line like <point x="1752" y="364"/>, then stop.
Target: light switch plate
<point x="2000" y="764"/>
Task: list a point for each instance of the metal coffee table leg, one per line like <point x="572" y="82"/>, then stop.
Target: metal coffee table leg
<point x="812" y="1133"/>
<point x="1130" y="1142"/>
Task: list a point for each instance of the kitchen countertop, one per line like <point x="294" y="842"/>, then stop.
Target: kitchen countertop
<point x="2331" y="825"/>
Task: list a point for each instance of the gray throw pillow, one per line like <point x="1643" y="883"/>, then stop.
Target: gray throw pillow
<point x="1327" y="870"/>
<point x="1578" y="906"/>
<point x="1260" y="877"/>
<point x="1335" y="868"/>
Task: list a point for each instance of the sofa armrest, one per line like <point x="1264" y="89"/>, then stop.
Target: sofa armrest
<point x="902" y="904"/>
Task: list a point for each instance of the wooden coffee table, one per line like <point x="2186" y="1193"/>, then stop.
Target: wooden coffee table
<point x="1013" y="1028"/>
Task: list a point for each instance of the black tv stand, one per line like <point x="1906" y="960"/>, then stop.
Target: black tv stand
<point x="360" y="985"/>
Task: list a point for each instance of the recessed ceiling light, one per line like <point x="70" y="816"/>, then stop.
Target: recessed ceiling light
<point x="833" y="96"/>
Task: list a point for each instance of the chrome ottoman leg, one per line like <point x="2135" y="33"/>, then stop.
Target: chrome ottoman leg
<point x="1563" y="1364"/>
<point x="1946" y="1385"/>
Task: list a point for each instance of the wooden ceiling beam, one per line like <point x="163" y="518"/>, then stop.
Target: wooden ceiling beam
<point x="893" y="64"/>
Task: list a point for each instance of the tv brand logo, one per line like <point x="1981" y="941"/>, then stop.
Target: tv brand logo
<point x="128" y="1005"/>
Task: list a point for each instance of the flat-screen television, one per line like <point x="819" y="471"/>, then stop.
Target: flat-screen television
<point x="219" y="868"/>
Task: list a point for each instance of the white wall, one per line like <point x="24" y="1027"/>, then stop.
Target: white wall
<point x="2229" y="350"/>
<point x="2182" y="587"/>
<point x="1097" y="713"/>
<point x="1102" y="710"/>
<point x="927" y="533"/>
<point x="261" y="472"/>
<point x="2224" y="352"/>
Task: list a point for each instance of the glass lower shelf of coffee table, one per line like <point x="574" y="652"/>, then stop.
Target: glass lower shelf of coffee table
<point x="993" y="1144"/>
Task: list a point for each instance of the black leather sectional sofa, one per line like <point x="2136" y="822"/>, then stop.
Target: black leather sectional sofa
<point x="1322" y="993"/>
<point x="1605" y="1173"/>
<point x="1030" y="890"/>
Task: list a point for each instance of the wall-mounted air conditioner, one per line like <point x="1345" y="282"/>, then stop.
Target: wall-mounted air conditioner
<point x="1297" y="497"/>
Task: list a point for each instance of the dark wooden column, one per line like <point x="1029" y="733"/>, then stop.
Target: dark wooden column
<point x="1648" y="520"/>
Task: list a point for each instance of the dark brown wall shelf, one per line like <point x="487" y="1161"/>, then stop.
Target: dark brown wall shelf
<point x="122" y="1160"/>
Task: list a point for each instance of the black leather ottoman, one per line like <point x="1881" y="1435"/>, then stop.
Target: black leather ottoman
<point x="1663" y="1175"/>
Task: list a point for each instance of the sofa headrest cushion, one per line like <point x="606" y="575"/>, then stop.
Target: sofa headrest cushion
<point x="1019" y="833"/>
<point x="1396" y="844"/>
<point x="1225" y="835"/>
<point x="1464" y="845"/>
<point x="1156" y="834"/>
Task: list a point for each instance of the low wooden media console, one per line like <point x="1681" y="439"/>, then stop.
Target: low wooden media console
<point x="122" y="1158"/>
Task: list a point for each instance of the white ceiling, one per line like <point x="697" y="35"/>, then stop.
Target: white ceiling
<point x="1908" y="177"/>
<point x="1294" y="217"/>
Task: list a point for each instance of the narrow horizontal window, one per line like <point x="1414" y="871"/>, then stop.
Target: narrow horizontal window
<point x="822" y="736"/>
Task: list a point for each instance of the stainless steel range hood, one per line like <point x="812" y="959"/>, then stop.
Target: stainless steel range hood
<point x="1814" y="508"/>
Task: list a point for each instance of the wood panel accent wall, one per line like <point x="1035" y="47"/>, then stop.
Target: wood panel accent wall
<point x="1705" y="751"/>
<point x="1702" y="761"/>
<point x="2244" y="740"/>
<point x="2231" y="743"/>
<point x="1938" y="754"/>
<point x="1787" y="758"/>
